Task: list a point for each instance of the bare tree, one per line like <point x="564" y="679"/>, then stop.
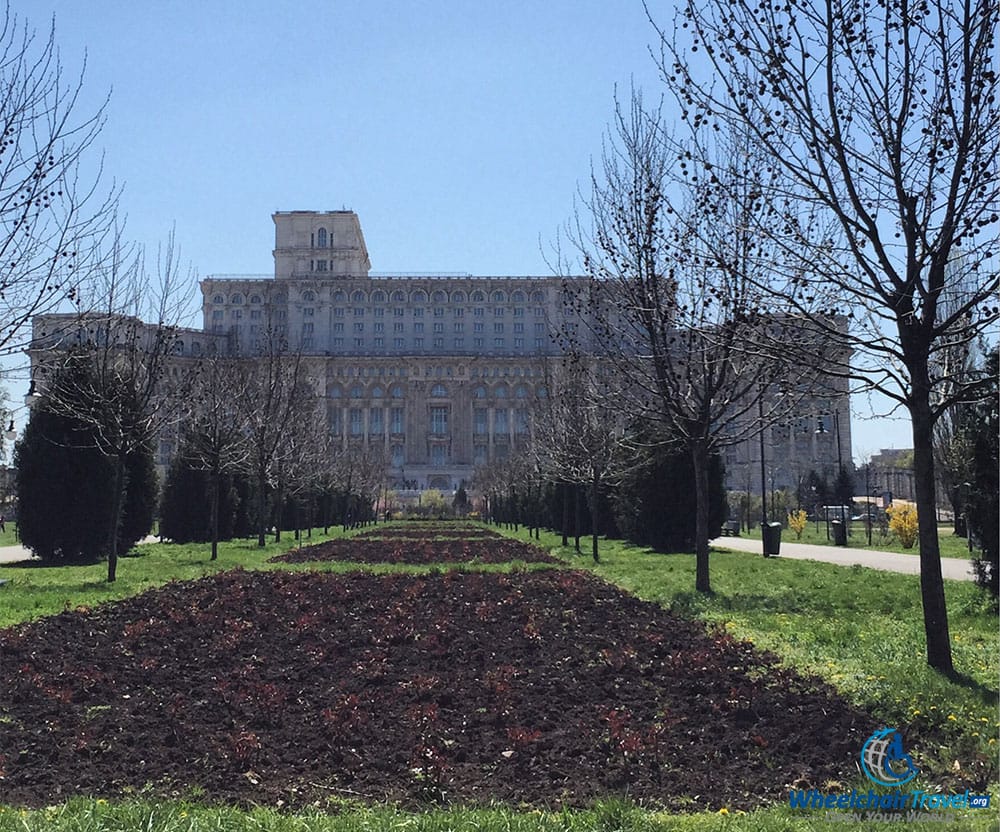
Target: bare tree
<point x="133" y="390"/>
<point x="883" y="120"/>
<point x="671" y="302"/>
<point x="53" y="219"/>
<point x="215" y="439"/>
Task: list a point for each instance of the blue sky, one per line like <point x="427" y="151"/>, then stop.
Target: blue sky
<point x="459" y="131"/>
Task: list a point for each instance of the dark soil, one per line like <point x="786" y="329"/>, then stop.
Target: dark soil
<point x="394" y="550"/>
<point x="547" y="687"/>
<point x="436" y="533"/>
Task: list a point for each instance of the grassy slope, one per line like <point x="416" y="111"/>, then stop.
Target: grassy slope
<point x="858" y="628"/>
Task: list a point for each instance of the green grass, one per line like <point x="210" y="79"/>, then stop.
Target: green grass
<point x="951" y="546"/>
<point x="860" y="629"/>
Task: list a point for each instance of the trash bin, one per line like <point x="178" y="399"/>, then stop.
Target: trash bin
<point x="839" y="529"/>
<point x="771" y="535"/>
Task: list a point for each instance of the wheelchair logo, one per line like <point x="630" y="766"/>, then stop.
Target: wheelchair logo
<point x="885" y="761"/>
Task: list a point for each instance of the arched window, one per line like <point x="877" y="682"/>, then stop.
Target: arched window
<point x="418" y="297"/>
<point x="196" y="348"/>
<point x="179" y="347"/>
<point x="542" y="392"/>
<point x="517" y="297"/>
<point x="439" y="297"/>
<point x="501" y="392"/>
<point x="397" y="392"/>
<point x="218" y="299"/>
<point x="521" y="392"/>
<point x="281" y="298"/>
<point x="458" y="297"/>
<point x="237" y="299"/>
<point x="357" y="392"/>
<point x="254" y="298"/>
<point x="377" y="392"/>
<point x="378" y="297"/>
<point x="339" y="297"/>
<point x="538" y="297"/>
<point x="438" y="390"/>
<point x="321" y="238"/>
<point x="309" y="296"/>
<point x="358" y="297"/>
<point x="334" y="391"/>
<point x="479" y="393"/>
<point x="478" y="297"/>
<point x="398" y="297"/>
<point x="498" y="297"/>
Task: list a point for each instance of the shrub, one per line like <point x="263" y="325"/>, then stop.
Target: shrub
<point x="797" y="522"/>
<point x="185" y="511"/>
<point x="64" y="489"/>
<point x="903" y="524"/>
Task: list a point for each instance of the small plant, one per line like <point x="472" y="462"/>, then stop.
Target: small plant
<point x="903" y="524"/>
<point x="797" y="522"/>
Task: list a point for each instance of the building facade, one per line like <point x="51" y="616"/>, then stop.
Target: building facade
<point x="440" y="372"/>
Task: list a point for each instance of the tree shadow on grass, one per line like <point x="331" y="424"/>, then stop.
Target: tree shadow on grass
<point x="987" y="695"/>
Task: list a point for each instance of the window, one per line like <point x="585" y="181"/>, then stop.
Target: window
<point x="539" y="343"/>
<point x="398" y="342"/>
<point x="254" y="298"/>
<point x="359" y="342"/>
<point x="438" y="390"/>
<point x="498" y="342"/>
<point x="438" y="311"/>
<point x="478" y="312"/>
<point x="377" y="392"/>
<point x="539" y="329"/>
<point x="308" y="297"/>
<point x="359" y="311"/>
<point x="459" y="326"/>
<point x="477" y="326"/>
<point x="459" y="343"/>
<point x="338" y="312"/>
<point x="478" y="297"/>
<point x="438" y="455"/>
<point x="397" y="312"/>
<point x="459" y="312"/>
<point x="518" y="327"/>
<point x="498" y="328"/>
<point x="439" y="420"/>
<point x="520" y="392"/>
<point x="521" y="421"/>
<point x="358" y="297"/>
<point x="438" y="343"/>
<point x="357" y="392"/>
<point x="357" y="421"/>
<point x="375" y="420"/>
<point x="479" y="455"/>
<point x="418" y="297"/>
<point x="338" y="342"/>
<point x="338" y="327"/>
<point x="380" y="342"/>
<point x="309" y="312"/>
<point x="378" y="297"/>
<point x="334" y="392"/>
<point x="379" y="326"/>
<point x="501" y="392"/>
<point x="237" y="314"/>
<point x="418" y="313"/>
<point x="418" y="327"/>
<point x="397" y="456"/>
<point x="307" y="328"/>
<point x="500" y="421"/>
<point x="498" y="297"/>
<point x="518" y="343"/>
<point x="336" y="428"/>
<point x="321" y="238"/>
<point x="537" y="297"/>
<point x="517" y="297"/>
<point x="439" y="327"/>
<point x="458" y="297"/>
<point x="254" y="314"/>
<point x="237" y="299"/>
<point x="518" y="311"/>
<point x="396" y="420"/>
<point x="217" y="315"/>
<point x="477" y="342"/>
<point x="339" y="297"/>
<point x="218" y="299"/>
<point x="359" y="327"/>
<point x="479" y="423"/>
<point x="321" y="265"/>
<point x="378" y="312"/>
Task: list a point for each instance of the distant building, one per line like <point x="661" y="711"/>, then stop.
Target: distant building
<point x="439" y="370"/>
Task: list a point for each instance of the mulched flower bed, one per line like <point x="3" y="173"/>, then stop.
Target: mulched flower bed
<point x="391" y="550"/>
<point x="550" y="688"/>
<point x="434" y="533"/>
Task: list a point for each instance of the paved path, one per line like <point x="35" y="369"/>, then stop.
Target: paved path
<point x="13" y="554"/>
<point x="955" y="569"/>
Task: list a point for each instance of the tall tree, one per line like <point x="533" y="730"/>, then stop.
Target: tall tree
<point x="883" y="120"/>
<point x="672" y="303"/>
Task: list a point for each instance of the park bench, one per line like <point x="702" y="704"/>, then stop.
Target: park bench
<point x="731" y="528"/>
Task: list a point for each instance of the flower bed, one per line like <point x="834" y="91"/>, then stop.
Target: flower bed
<point x="391" y="550"/>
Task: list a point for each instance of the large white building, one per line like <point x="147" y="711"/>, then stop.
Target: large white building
<point x="438" y="371"/>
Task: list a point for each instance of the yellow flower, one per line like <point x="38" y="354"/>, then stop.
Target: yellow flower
<point x="951" y="717"/>
<point x="723" y="811"/>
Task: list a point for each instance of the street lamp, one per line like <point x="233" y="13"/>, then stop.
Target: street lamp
<point x="821" y="429"/>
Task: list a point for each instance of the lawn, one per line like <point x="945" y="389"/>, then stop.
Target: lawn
<point x="951" y="546"/>
<point x="858" y="629"/>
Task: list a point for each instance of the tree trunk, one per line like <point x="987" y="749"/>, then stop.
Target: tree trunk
<point x="214" y="511"/>
<point x="593" y="517"/>
<point x="565" y="514"/>
<point x="699" y="457"/>
<point x="279" y="496"/>
<point x="119" y="484"/>
<point x="261" y="507"/>
<point x="578" y="516"/>
<point x="931" y="583"/>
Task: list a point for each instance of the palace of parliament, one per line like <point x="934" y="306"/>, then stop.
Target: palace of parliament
<point x="440" y="372"/>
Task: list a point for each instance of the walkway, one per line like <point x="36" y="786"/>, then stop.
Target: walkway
<point x="13" y="554"/>
<point x="954" y="569"/>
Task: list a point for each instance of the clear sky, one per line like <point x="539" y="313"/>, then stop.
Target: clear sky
<point x="458" y="130"/>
